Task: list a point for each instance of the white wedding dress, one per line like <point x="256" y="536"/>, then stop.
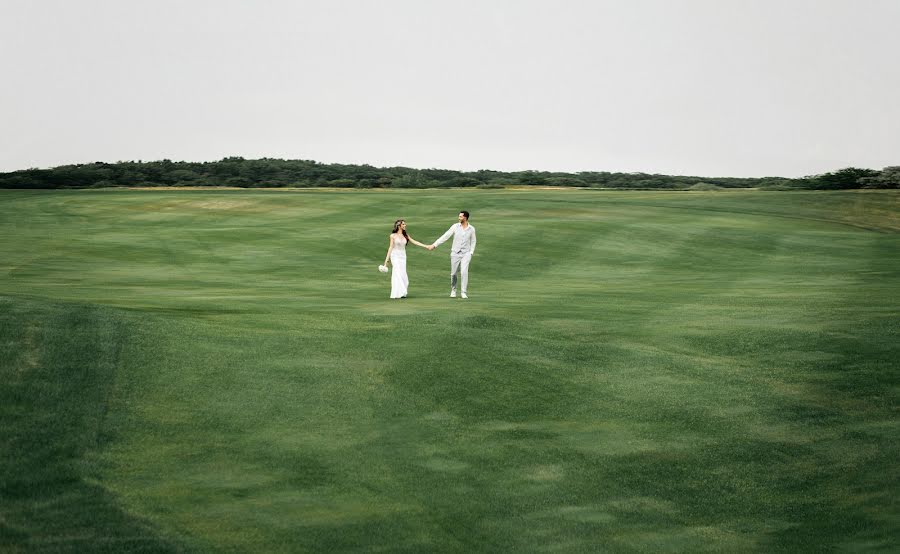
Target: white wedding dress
<point x="399" y="279"/>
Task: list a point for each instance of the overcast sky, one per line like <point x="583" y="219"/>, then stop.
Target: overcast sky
<point x="680" y="87"/>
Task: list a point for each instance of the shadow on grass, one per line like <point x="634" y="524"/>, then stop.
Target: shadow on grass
<point x="57" y="368"/>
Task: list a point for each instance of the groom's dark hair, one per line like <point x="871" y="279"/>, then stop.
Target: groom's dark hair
<point x="465" y="213"/>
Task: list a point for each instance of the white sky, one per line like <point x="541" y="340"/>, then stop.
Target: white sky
<point x="681" y="87"/>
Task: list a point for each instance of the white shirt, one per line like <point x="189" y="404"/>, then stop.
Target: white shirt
<point x="463" y="239"/>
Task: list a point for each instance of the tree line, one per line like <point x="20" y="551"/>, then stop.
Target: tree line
<point x="271" y="172"/>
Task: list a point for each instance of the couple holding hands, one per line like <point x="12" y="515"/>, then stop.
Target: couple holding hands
<point x="460" y="255"/>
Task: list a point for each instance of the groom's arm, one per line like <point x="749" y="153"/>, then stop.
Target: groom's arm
<point x="474" y="241"/>
<point x="444" y="237"/>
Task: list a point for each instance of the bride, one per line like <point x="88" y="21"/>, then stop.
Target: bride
<point x="396" y="255"/>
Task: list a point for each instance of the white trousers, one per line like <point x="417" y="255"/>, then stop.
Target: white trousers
<point x="460" y="263"/>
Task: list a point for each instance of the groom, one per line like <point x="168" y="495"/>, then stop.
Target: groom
<point x="460" y="253"/>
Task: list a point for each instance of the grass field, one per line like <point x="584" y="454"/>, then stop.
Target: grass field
<point x="633" y="372"/>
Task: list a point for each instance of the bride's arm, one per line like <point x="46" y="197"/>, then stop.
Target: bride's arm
<point x="417" y="243"/>
<point x="387" y="256"/>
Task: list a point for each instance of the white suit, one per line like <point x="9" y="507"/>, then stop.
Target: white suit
<point x="464" y="242"/>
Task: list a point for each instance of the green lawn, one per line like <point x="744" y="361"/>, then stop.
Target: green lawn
<point x="633" y="372"/>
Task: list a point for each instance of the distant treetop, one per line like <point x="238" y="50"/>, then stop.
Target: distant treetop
<point x="236" y="171"/>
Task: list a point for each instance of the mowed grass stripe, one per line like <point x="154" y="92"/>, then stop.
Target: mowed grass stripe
<point x="58" y="366"/>
<point x="633" y="372"/>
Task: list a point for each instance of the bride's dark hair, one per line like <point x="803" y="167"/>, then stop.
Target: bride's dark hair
<point x="397" y="228"/>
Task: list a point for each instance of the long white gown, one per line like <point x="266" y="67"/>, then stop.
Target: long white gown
<point x="399" y="279"/>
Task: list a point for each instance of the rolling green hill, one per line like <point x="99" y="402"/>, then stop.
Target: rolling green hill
<point x="634" y="371"/>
